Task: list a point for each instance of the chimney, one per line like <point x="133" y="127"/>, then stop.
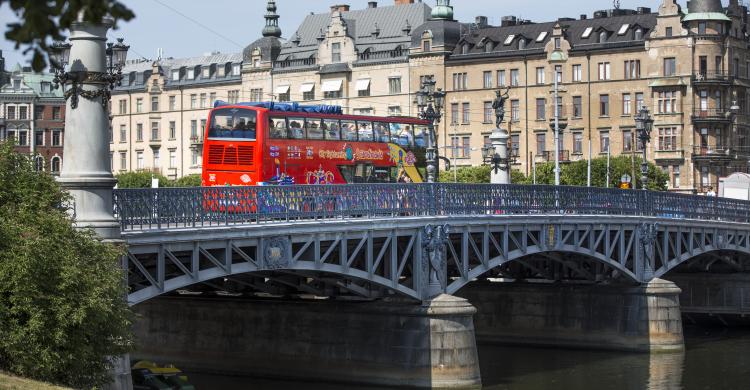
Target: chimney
<point x="372" y="4"/>
<point x="340" y="8"/>
<point x="584" y="17"/>
<point x="402" y="2"/>
<point x="481" y="21"/>
<point x="506" y="21"/>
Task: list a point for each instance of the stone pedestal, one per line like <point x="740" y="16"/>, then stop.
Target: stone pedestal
<point x="377" y="343"/>
<point x="641" y="318"/>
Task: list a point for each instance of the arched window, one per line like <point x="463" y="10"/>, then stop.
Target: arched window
<point x="522" y="44"/>
<point x="55" y="164"/>
<point x="602" y="37"/>
<point x="38" y="163"/>
<point x="638" y="34"/>
<point x="488" y="46"/>
<point x="465" y="49"/>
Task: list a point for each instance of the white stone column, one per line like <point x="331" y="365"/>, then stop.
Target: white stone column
<point x="499" y="138"/>
<point x="86" y="172"/>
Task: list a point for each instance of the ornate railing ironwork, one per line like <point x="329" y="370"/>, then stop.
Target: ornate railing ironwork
<point x="169" y="208"/>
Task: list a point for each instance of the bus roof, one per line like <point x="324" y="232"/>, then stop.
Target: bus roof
<point x="287" y="107"/>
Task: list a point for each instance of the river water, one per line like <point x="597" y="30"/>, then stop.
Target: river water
<point x="715" y="358"/>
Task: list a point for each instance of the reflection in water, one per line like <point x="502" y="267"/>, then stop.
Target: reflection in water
<point x="715" y="359"/>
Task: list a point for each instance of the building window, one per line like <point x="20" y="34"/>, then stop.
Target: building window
<point x="487" y="79"/>
<point x="488" y="112"/>
<point x="541" y="143"/>
<point x="194" y="128"/>
<point x="212" y="99"/>
<point x="515" y="110"/>
<point x="336" y="52"/>
<point x="465" y="113"/>
<point x="577" y="107"/>
<point x="426" y="46"/>
<point x="578" y="143"/>
<point x="123" y="161"/>
<point x="604" y="141"/>
<point x="139" y="105"/>
<point x="702" y="28"/>
<point x="670" y="66"/>
<point x="515" y="145"/>
<point x="256" y="94"/>
<point x="501" y="78"/>
<point x="139" y="163"/>
<point x="308" y="94"/>
<point x="203" y="100"/>
<point x="626" y="104"/>
<point x="123" y="134"/>
<point x="11" y="112"/>
<point x="38" y="112"/>
<point x="172" y="103"/>
<point x="332" y="94"/>
<point x="155" y="136"/>
<point x="558" y="73"/>
<point x="603" y="37"/>
<point x="173" y="158"/>
<point x="603" y="105"/>
<point x="176" y="75"/>
<point x="639" y="101"/>
<point x="56" y="113"/>
<point x="667" y="102"/>
<point x="557" y="43"/>
<point x="363" y="87"/>
<point x="668" y="138"/>
<point x="235" y="69"/>
<point x="560" y="113"/>
<point x="233" y="96"/>
<point x="154" y="103"/>
<point x="676" y="176"/>
<point x="668" y="32"/>
<point x="139" y="132"/>
<point x="123" y="104"/>
<point x="539" y="76"/>
<point x="206" y="72"/>
<point x="394" y="85"/>
<point x="194" y="100"/>
<point x="23" y="112"/>
<point x="459" y="81"/>
<point x="540" y="108"/>
<point x="287" y="96"/>
<point x="191" y="74"/>
<point x="514" y="77"/>
<point x="39" y="138"/>
<point x="194" y="158"/>
<point x="157" y="159"/>
<point x="23" y="137"/>
<point x="394" y="110"/>
<point x="605" y="71"/>
<point x="57" y="137"/>
<point x="203" y="126"/>
<point x="454" y="113"/>
<point x="172" y="130"/>
<point x="632" y="69"/>
<point x="627" y="140"/>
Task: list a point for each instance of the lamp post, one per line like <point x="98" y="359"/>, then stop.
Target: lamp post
<point x="643" y="124"/>
<point x="432" y="102"/>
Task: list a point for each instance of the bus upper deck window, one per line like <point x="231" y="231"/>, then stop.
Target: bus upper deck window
<point x="296" y="128"/>
<point x="278" y="128"/>
<point x="365" y="131"/>
<point x="401" y="134"/>
<point x="348" y="131"/>
<point x="382" y="132"/>
<point x="314" y="131"/>
<point x="232" y="123"/>
<point x="332" y="129"/>
<point x="420" y="135"/>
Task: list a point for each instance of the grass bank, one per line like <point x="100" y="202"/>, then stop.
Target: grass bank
<point x="10" y="382"/>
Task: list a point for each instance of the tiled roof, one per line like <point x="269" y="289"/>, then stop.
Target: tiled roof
<point x="137" y="72"/>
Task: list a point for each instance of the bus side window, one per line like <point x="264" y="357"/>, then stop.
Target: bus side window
<point x="332" y="129"/>
<point x="420" y="135"/>
<point x="296" y="128"/>
<point x="277" y="127"/>
<point x="365" y="131"/>
<point x="405" y="135"/>
<point x="382" y="132"/>
<point x="348" y="131"/>
<point x="314" y="131"/>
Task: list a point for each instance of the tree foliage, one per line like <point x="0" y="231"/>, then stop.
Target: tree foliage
<point x="188" y="181"/>
<point x="143" y="180"/>
<point x="40" y="22"/>
<point x="62" y="307"/>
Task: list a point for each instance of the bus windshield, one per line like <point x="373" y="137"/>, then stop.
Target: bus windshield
<point x="233" y="123"/>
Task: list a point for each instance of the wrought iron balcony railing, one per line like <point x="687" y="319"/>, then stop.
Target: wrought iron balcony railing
<point x="295" y="63"/>
<point x="713" y="152"/>
<point x="711" y="114"/>
<point x="549" y="155"/>
<point x="165" y="208"/>
<point x="712" y="77"/>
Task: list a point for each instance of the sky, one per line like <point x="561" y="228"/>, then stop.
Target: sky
<point x="188" y="28"/>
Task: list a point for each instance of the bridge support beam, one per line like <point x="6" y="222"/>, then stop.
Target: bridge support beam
<point x="715" y="298"/>
<point x="429" y="345"/>
<point x="641" y="318"/>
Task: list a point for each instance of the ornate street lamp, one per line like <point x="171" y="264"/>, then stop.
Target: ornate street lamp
<point x="116" y="55"/>
<point x="432" y="102"/>
<point x="643" y="124"/>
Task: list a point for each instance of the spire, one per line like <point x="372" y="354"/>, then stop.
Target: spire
<point x="443" y="10"/>
<point x="272" y="21"/>
<point x="695" y="6"/>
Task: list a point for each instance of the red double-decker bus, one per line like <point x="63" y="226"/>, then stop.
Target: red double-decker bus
<point x="273" y="143"/>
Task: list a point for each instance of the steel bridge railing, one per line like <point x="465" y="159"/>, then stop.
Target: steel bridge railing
<point x="168" y="208"/>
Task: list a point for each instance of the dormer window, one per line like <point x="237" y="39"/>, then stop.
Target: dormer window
<point x="558" y="43"/>
<point x="587" y="32"/>
<point x="191" y="74"/>
<point x="336" y="52"/>
<point x="488" y="46"/>
<point x="221" y="71"/>
<point x="603" y="37"/>
<point x="702" y="28"/>
<point x="426" y="46"/>
<point x="176" y="75"/>
<point x="465" y="48"/>
<point x="509" y="39"/>
<point x="522" y="44"/>
<point x="235" y="69"/>
<point x="638" y="34"/>
<point x="206" y="72"/>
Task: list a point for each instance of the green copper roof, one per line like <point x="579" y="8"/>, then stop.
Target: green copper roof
<point x="558" y="56"/>
<point x="443" y="10"/>
<point x="706" y="16"/>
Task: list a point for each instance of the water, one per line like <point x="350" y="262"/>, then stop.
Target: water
<point x="714" y="359"/>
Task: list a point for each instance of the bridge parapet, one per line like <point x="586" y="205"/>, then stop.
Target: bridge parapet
<point x="170" y="208"/>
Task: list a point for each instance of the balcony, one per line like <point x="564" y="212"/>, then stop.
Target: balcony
<point x="295" y="63"/>
<point x="196" y="142"/>
<point x="549" y="156"/>
<point x="712" y="115"/>
<point x="154" y="143"/>
<point x="704" y="78"/>
<point x="713" y="153"/>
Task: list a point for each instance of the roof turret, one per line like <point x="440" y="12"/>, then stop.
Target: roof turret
<point x="272" y="28"/>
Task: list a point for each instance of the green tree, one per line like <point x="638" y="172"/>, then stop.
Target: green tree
<point x="140" y="180"/>
<point x="40" y="22"/>
<point x="576" y="173"/>
<point x="477" y="174"/>
<point x="188" y="181"/>
<point x="62" y="307"/>
<point x="545" y="174"/>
